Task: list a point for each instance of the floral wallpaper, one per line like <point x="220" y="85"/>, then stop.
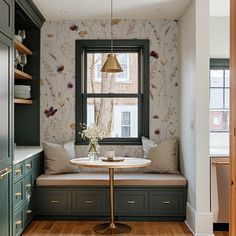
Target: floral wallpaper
<point x="58" y="74"/>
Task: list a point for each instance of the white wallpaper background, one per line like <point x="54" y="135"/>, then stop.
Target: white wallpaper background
<point x="58" y="75"/>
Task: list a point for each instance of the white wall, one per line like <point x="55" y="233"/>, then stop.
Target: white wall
<point x="194" y="114"/>
<point x="219" y="37"/>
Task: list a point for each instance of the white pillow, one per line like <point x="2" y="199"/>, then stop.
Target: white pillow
<point x="147" y="145"/>
<point x="57" y="159"/>
<point x="70" y="148"/>
<point x="164" y="157"/>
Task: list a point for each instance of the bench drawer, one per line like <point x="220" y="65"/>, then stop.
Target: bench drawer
<point x="53" y="202"/>
<point x="90" y="202"/>
<point x="131" y="202"/>
<point x="167" y="202"/>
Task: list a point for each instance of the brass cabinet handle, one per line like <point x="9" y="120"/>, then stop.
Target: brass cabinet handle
<point x="18" y="222"/>
<point x="131" y="202"/>
<point x="29" y="211"/>
<point x="5" y="172"/>
<point x="28" y="165"/>
<point x="54" y="201"/>
<point x="17" y="171"/>
<point x="18" y="194"/>
<point x="88" y="201"/>
<point x="28" y="185"/>
<point x="166" y="202"/>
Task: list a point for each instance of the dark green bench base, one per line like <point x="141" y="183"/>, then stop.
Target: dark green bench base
<point x="135" y="203"/>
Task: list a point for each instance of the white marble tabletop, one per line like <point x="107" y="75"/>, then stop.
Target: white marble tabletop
<point x="128" y="162"/>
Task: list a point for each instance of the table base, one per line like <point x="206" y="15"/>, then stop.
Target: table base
<point x="112" y="229"/>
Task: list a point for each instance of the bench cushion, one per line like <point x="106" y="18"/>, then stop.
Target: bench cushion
<point x="121" y="179"/>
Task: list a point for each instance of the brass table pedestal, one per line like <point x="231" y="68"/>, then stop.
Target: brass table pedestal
<point x="112" y="228"/>
<point x="109" y="229"/>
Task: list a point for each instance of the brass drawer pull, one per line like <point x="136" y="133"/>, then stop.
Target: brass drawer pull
<point x="18" y="194"/>
<point x="54" y="201"/>
<point x="18" y="222"/>
<point x="166" y="202"/>
<point x="6" y="172"/>
<point x="28" y="165"/>
<point x="17" y="171"/>
<point x="29" y="211"/>
<point x="88" y="201"/>
<point x="131" y="202"/>
<point x="28" y="185"/>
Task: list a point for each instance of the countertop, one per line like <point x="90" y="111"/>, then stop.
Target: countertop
<point x="24" y="152"/>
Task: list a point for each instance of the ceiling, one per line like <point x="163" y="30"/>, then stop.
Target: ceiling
<point x="100" y="9"/>
<point x="136" y="9"/>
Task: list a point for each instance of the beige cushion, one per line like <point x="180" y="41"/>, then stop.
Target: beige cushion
<point x="56" y="159"/>
<point x="121" y="179"/>
<point x="164" y="157"/>
<point x="147" y="145"/>
<point x="70" y="148"/>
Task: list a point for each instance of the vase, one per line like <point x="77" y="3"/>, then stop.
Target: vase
<point x="94" y="150"/>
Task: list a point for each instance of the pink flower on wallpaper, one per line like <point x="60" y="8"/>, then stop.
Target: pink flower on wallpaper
<point x="60" y="68"/>
<point x="154" y="54"/>
<point x="50" y="112"/>
<point x="74" y="27"/>
<point x="157" y="132"/>
<point x="70" y="85"/>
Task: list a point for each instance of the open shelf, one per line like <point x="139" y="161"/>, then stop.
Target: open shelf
<point x="22" y="48"/>
<point x="21" y="75"/>
<point x="22" y="101"/>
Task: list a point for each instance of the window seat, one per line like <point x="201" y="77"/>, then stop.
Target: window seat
<point x="101" y="179"/>
<point x="85" y="196"/>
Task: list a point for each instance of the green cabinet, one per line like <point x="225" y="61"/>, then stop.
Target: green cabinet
<point x="25" y="174"/>
<point x="6" y="17"/>
<point x="5" y="201"/>
<point x="5" y="101"/>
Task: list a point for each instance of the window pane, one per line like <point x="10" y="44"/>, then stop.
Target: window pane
<point x="216" y="98"/>
<point x="125" y="131"/>
<point x="114" y="113"/>
<point x="217" y="78"/>
<point x="226" y="78"/>
<point x="124" y="82"/>
<point x="125" y="118"/>
<point x="227" y="98"/>
<point x="219" y="120"/>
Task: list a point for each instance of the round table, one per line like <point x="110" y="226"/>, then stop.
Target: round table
<point x="111" y="228"/>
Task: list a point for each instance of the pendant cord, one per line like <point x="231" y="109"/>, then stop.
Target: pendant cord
<point x="111" y="27"/>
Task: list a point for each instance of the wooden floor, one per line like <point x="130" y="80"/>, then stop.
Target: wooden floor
<point x="83" y="228"/>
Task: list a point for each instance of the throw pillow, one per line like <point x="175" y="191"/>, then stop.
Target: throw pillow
<point x="147" y="145"/>
<point x="164" y="157"/>
<point x="57" y="159"/>
<point x="70" y="148"/>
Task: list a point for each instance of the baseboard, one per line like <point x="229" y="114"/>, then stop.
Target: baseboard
<point x="199" y="223"/>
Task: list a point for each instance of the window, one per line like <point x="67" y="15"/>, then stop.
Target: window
<point x="123" y="77"/>
<point x="125" y="124"/>
<point x="119" y="102"/>
<point x="219" y="103"/>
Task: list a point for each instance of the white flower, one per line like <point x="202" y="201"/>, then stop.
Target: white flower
<point x="93" y="133"/>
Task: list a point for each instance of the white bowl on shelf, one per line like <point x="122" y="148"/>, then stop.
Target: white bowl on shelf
<point x="18" y="37"/>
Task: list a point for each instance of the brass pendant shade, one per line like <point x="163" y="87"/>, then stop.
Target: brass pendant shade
<point x="111" y="64"/>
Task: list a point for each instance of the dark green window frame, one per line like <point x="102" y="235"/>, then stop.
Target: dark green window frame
<point x="140" y="46"/>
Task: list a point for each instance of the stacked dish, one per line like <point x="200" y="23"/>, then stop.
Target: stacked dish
<point x="22" y="91"/>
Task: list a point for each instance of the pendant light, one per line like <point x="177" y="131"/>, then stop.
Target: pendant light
<point x="111" y="64"/>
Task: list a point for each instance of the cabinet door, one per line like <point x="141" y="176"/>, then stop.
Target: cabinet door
<point x="6" y="17"/>
<point x="5" y="100"/>
<point x="5" y="203"/>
